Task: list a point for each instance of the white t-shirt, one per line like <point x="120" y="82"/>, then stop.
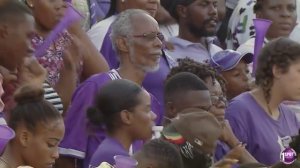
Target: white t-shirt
<point x="232" y="3"/>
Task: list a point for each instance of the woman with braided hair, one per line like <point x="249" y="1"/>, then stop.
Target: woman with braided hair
<point x="258" y="118"/>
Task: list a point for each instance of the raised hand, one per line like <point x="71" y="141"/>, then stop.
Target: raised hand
<point x="32" y="72"/>
<point x="8" y="76"/>
<point x="228" y="136"/>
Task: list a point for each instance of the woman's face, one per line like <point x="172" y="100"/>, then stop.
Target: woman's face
<point x="40" y="149"/>
<point x="237" y="80"/>
<point x="217" y="98"/>
<point x="288" y="82"/>
<point x="47" y="13"/>
<point x="282" y="14"/>
<point x="150" y="6"/>
<point x="143" y="117"/>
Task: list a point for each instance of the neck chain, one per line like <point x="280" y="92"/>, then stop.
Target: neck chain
<point x="268" y="105"/>
<point x="269" y="109"/>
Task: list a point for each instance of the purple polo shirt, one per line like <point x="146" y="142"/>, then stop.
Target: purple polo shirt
<point x="106" y="151"/>
<point x="264" y="136"/>
<point x="195" y="51"/>
<point x="81" y="137"/>
<point x="154" y="82"/>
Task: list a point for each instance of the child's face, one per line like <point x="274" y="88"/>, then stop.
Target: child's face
<point x="237" y="80"/>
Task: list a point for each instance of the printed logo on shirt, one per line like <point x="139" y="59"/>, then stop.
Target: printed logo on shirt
<point x="284" y="142"/>
<point x="288" y="155"/>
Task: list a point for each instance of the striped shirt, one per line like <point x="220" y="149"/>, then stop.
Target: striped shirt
<point x="52" y="97"/>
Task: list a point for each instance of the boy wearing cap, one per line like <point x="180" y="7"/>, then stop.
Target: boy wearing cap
<point x="233" y="66"/>
<point x="196" y="145"/>
<point x="227" y="141"/>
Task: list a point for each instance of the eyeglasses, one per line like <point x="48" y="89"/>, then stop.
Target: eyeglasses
<point x="151" y="36"/>
<point x="215" y="99"/>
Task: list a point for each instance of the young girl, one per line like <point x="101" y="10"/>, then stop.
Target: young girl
<point x="258" y="118"/>
<point x="39" y="128"/>
<point x="233" y="66"/>
<point x="125" y="110"/>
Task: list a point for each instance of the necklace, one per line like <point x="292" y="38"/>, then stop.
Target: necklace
<point x="5" y="162"/>
<point x="269" y="109"/>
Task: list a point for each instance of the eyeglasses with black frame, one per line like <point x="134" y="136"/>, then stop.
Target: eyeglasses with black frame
<point x="151" y="36"/>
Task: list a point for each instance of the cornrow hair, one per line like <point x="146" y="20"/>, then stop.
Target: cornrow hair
<point x="203" y="71"/>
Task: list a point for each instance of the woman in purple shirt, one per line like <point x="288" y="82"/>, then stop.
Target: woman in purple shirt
<point x="258" y="118"/>
<point x="125" y="110"/>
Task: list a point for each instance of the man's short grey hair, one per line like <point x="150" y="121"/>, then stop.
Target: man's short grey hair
<point x="123" y="25"/>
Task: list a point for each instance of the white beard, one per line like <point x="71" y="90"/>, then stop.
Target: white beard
<point x="144" y="68"/>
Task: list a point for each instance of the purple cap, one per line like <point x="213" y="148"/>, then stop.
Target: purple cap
<point x="228" y="59"/>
